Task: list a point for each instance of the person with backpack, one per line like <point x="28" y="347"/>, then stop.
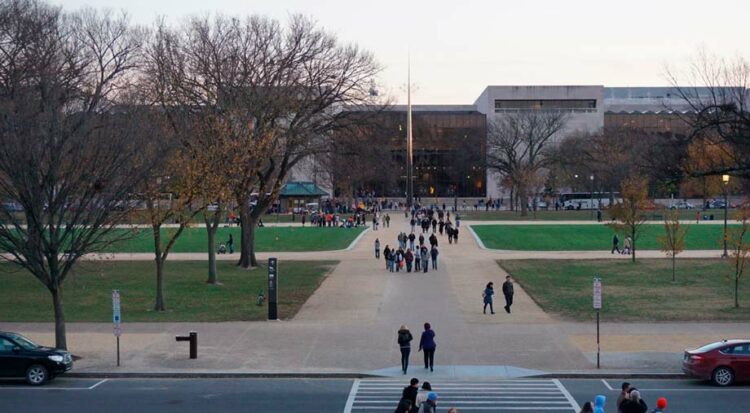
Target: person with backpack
<point x="634" y="403"/>
<point x="430" y="406"/>
<point x="661" y="404"/>
<point x="408" y="402"/>
<point x="404" y="343"/>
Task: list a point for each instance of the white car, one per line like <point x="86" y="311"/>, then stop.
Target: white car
<point x="682" y="205"/>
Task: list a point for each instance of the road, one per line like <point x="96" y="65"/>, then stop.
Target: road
<point x="348" y="396"/>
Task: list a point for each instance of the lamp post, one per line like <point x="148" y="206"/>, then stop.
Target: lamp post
<point x="592" y="195"/>
<point x="725" y="180"/>
<point x="409" y="142"/>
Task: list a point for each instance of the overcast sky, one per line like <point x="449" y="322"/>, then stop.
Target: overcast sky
<point x="460" y="46"/>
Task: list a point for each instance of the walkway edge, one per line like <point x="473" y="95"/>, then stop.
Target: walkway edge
<point x="477" y="239"/>
<point x="352" y="375"/>
<point x="356" y="240"/>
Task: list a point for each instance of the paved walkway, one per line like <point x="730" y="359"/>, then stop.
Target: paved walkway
<point x="350" y="323"/>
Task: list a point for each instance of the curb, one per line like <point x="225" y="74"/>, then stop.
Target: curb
<point x="596" y="375"/>
<point x="356" y="240"/>
<point x="476" y="237"/>
<point x="218" y="375"/>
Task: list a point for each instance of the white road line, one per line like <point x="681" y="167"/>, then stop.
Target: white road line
<point x="97" y="384"/>
<point x="567" y="395"/>
<point x="493" y="408"/>
<point x="606" y="384"/>
<point x="352" y="396"/>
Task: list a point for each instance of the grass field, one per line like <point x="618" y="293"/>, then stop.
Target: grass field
<point x="266" y="238"/>
<point x="87" y="293"/>
<point x="687" y="214"/>
<point x="640" y="291"/>
<point x="587" y="237"/>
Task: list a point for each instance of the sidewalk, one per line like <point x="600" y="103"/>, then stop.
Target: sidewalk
<point x="349" y="325"/>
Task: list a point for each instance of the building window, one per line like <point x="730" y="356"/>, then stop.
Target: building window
<point x="557" y="105"/>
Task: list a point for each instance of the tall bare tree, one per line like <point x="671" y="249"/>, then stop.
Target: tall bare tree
<point x="629" y="214"/>
<point x="69" y="155"/>
<point x="673" y="240"/>
<point x="518" y="146"/>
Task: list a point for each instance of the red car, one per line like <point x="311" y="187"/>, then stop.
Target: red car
<point x="723" y="362"/>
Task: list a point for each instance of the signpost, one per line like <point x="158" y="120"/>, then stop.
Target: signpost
<point x="597" y="307"/>
<point x="116" y="319"/>
<point x="272" y="289"/>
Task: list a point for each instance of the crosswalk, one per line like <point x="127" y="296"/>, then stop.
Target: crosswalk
<point x="520" y="395"/>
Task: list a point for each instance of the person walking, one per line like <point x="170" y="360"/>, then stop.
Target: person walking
<point x="412" y="237"/>
<point x="413" y="223"/>
<point x="449" y="231"/>
<point x="508" y="293"/>
<point x="387" y="220"/>
<point x="661" y="405"/>
<point x="599" y="402"/>
<point x="587" y="408"/>
<point x="434" y="253"/>
<point x="230" y="244"/>
<point x="399" y="259"/>
<point x="409" y="256"/>
<point x="409" y="397"/>
<point x="434" y="225"/>
<point x="455" y="234"/>
<point x="430" y="406"/>
<point x="377" y="248"/>
<point x="616" y="244"/>
<point x="433" y="240"/>
<point x="624" y="389"/>
<point x="425" y="255"/>
<point x="423" y="392"/>
<point x="417" y="259"/>
<point x="428" y="345"/>
<point x="634" y="403"/>
<point x="489" y="291"/>
<point x="387" y="255"/>
<point x="404" y="343"/>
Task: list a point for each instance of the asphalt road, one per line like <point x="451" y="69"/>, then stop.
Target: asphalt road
<point x="334" y="396"/>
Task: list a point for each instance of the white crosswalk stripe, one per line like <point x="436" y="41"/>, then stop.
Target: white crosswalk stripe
<point x="520" y="395"/>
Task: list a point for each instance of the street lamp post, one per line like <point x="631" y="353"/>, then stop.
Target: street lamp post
<point x="409" y="143"/>
<point x="592" y="195"/>
<point x="725" y="180"/>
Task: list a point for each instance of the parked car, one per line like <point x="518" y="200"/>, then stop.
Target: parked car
<point x="22" y="358"/>
<point x="722" y="362"/>
<point x="682" y="205"/>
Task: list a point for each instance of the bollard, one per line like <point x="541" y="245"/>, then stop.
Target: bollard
<point x="193" y="339"/>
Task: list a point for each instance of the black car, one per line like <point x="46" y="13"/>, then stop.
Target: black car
<point x="21" y="357"/>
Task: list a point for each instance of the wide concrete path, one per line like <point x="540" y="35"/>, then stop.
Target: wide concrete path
<point x="350" y="323"/>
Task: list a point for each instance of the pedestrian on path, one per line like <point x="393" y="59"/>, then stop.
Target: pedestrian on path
<point x="409" y="259"/>
<point x="449" y="231"/>
<point x="634" y="403"/>
<point x="627" y="246"/>
<point x="430" y="406"/>
<point x="489" y="291"/>
<point x="427" y="343"/>
<point x="388" y="255"/>
<point x="616" y="244"/>
<point x="412" y="237"/>
<point x="625" y="388"/>
<point x="417" y="259"/>
<point x="410" y="395"/>
<point x="508" y="293"/>
<point x="230" y="244"/>
<point x="661" y="405"/>
<point x="587" y="408"/>
<point x="377" y="248"/>
<point x="434" y="253"/>
<point x="599" y="402"/>
<point x="423" y="392"/>
<point x="387" y="221"/>
<point x="425" y="255"/>
<point x="413" y="223"/>
<point x="455" y="234"/>
<point x="399" y="259"/>
<point x="404" y="343"/>
<point x="433" y="240"/>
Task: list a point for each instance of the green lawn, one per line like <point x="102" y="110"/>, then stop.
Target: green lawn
<point x="87" y="293"/>
<point x="587" y="237"/>
<point x="640" y="291"/>
<point x="275" y="239"/>
<point x="573" y="215"/>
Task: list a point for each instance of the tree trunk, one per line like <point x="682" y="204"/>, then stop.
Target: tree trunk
<point x="159" y="305"/>
<point x="512" y="200"/>
<point x="632" y="245"/>
<point x="60" y="339"/>
<point x="522" y="200"/>
<point x="674" y="259"/>
<point x="245" y="244"/>
<point x="736" y="291"/>
<point x="251" y="242"/>
<point x="212" y="225"/>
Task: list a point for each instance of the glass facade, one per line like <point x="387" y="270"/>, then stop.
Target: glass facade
<point x="564" y="105"/>
<point x="449" y="154"/>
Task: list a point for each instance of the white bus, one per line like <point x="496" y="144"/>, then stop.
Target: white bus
<point x="586" y="200"/>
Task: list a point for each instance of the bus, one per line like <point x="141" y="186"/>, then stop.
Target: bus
<point x="587" y="200"/>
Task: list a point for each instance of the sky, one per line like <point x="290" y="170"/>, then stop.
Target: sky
<point x="459" y="47"/>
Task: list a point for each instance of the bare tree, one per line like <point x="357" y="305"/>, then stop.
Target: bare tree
<point x="673" y="240"/>
<point x="717" y="93"/>
<point x="629" y="214"/>
<point x="518" y="144"/>
<point x="737" y="239"/>
<point x="69" y="156"/>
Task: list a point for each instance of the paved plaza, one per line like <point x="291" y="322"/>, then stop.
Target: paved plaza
<point x="349" y="325"/>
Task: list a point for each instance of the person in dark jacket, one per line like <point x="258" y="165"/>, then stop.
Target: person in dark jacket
<point x="409" y="397"/>
<point x="634" y="403"/>
<point x="489" y="291"/>
<point x="615" y="244"/>
<point x="508" y="293"/>
<point x="427" y="343"/>
<point x="404" y="343"/>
